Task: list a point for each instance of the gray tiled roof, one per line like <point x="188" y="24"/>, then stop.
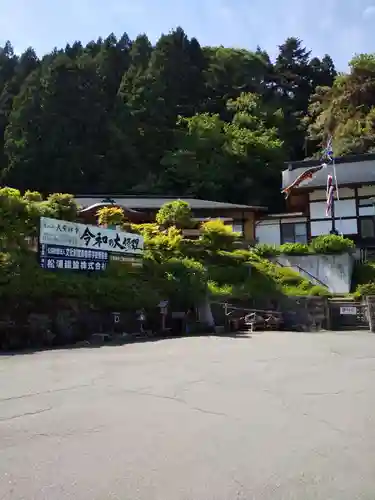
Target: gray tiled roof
<point x="150" y="203"/>
<point x="347" y="173"/>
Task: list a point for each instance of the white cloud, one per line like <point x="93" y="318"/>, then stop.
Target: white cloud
<point x="369" y="12"/>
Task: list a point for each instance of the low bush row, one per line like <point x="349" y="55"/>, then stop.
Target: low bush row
<point x="323" y="245"/>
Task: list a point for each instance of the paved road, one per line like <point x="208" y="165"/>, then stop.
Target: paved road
<point x="276" y="416"/>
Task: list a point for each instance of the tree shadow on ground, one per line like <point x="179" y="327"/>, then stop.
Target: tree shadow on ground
<point x="121" y="342"/>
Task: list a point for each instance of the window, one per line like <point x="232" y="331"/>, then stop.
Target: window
<point x="367" y="225"/>
<point x="237" y="226"/>
<point x="294" y="233"/>
<point x="366" y="206"/>
<point x="366" y="202"/>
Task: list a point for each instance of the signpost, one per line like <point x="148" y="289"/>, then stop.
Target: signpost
<point x="163" y="305"/>
<point x="82" y="247"/>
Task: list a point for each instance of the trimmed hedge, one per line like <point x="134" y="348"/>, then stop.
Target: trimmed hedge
<point x="324" y="245"/>
<point x="294" y="249"/>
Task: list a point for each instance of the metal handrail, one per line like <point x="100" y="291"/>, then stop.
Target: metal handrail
<point x="304" y="271"/>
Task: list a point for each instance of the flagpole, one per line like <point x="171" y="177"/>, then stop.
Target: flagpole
<point x="333" y="226"/>
<point x="330" y="155"/>
<point x="335" y="193"/>
<point x="334" y="173"/>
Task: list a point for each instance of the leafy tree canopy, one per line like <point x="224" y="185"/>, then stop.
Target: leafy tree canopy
<point x="121" y="115"/>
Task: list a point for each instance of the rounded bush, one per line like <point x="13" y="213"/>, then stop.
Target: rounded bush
<point x="332" y="244"/>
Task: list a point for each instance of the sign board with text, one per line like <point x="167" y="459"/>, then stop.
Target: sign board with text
<point x="81" y="247"/>
<point x="348" y="310"/>
<point x="55" y="257"/>
<point x="75" y="235"/>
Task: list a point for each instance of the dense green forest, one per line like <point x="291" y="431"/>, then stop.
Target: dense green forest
<point x="124" y="116"/>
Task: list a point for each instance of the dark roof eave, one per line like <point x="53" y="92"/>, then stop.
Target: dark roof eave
<point x="213" y="207"/>
<point x="97" y="206"/>
<point x="293" y="165"/>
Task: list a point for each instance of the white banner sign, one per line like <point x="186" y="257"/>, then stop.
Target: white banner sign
<point x="348" y="310"/>
<point x="73" y="234"/>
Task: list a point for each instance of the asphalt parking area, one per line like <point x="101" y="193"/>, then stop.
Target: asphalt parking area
<point x="275" y="416"/>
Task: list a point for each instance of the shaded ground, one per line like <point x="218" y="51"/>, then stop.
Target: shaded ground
<point x="275" y="416"/>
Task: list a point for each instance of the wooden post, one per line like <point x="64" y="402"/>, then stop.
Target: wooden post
<point x="328" y="315"/>
<point x="371" y="312"/>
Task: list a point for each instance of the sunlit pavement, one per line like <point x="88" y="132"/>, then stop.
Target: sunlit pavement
<point x="275" y="416"/>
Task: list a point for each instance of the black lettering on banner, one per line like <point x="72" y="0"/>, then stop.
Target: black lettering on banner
<point x="98" y="240"/>
<point x="131" y="243"/>
<point x="115" y="243"/>
<point x="135" y="243"/>
<point x="87" y="236"/>
<point x="126" y="243"/>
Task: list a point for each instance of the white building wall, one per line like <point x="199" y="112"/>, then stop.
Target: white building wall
<point x="366" y="191"/>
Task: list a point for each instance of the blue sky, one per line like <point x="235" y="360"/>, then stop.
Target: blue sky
<point x="338" y="27"/>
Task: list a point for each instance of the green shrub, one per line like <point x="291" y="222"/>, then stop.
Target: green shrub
<point x="110" y="216"/>
<point x="294" y="249"/>
<point x="246" y="255"/>
<point x="184" y="281"/>
<point x="193" y="249"/>
<point x="220" y="292"/>
<point x="287" y="275"/>
<point x="363" y="273"/>
<point x="228" y="274"/>
<point x="165" y="244"/>
<point x="265" y="250"/>
<point x="32" y="196"/>
<point x="331" y="244"/>
<point x="175" y="213"/>
<point x="320" y="291"/>
<point x="366" y="289"/>
<point x="147" y="230"/>
<point x="64" y="206"/>
<point x="224" y="258"/>
<point x="215" y="235"/>
<point x="261" y="283"/>
<point x="118" y="286"/>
